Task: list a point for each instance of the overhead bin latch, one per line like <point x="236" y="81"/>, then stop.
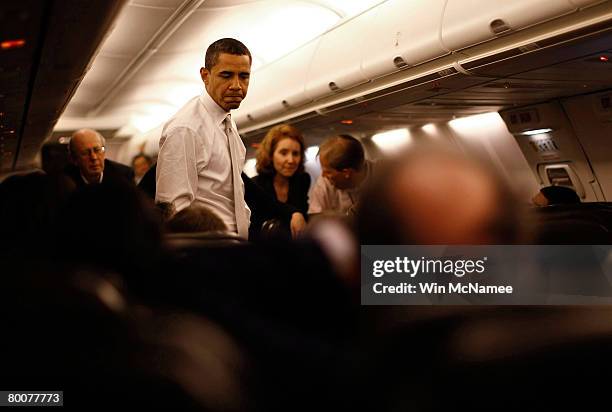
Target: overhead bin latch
<point x="333" y="86"/>
<point x="498" y="26"/>
<point x="399" y="62"/>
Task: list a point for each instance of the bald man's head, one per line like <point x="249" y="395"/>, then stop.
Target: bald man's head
<point x="433" y="195"/>
<point x="87" y="152"/>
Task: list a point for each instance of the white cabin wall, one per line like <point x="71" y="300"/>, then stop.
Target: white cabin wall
<point x="147" y="143"/>
<point x="487" y="136"/>
<point x="591" y="119"/>
<point x="551" y="146"/>
<point x="114" y="151"/>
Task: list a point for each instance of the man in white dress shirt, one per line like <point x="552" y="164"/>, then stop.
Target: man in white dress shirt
<point x="344" y="173"/>
<point x="200" y="149"/>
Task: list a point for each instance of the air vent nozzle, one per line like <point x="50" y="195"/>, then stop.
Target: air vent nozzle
<point x="498" y="26"/>
<point x="333" y="86"/>
<point x="399" y="62"/>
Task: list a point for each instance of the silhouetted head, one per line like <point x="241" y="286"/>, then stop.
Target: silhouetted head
<point x="555" y="195"/>
<point x="111" y="225"/>
<point x="435" y="195"/>
<point x="195" y="219"/>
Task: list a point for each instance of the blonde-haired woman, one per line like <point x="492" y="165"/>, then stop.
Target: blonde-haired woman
<point x="280" y="164"/>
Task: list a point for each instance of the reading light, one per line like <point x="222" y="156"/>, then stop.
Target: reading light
<point x="12" y="44"/>
<point x="390" y="141"/>
<point x="429" y="128"/>
<point x="535" y="131"/>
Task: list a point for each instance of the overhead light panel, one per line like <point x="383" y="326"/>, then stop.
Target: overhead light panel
<point x="429" y="128"/>
<point x="390" y="141"/>
<point x="536" y="131"/>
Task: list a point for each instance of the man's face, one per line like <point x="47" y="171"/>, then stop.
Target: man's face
<point x="340" y="179"/>
<point x="141" y="166"/>
<point x="227" y="81"/>
<point x="88" y="154"/>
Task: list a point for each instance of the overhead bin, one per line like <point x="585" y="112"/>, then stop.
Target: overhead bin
<point x="278" y="86"/>
<point x="585" y="3"/>
<point x="469" y="22"/>
<point x="336" y="62"/>
<point x="407" y="34"/>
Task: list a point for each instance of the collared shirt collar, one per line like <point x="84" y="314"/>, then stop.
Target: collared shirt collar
<point x="216" y="112"/>
<point x="87" y="182"/>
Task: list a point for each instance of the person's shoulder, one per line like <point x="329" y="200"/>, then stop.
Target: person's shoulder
<point x="72" y="171"/>
<point x="185" y="117"/>
<point x="304" y="178"/>
<point x="116" y="165"/>
<point x="262" y="178"/>
<point x="118" y="169"/>
<point x="322" y="188"/>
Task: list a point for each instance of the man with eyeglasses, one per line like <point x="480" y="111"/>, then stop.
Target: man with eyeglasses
<point x="89" y="165"/>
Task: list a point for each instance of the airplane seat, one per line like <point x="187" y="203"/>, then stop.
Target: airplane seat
<point x="273" y="229"/>
<point x="282" y="302"/>
<point x="74" y="328"/>
<point x="573" y="232"/>
<point x="533" y="358"/>
<point x="178" y="241"/>
<point x="585" y="223"/>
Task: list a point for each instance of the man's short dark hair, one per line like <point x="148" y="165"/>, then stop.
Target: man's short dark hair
<point x="195" y="218"/>
<point x="144" y="156"/>
<point x="342" y="152"/>
<point x="225" y="45"/>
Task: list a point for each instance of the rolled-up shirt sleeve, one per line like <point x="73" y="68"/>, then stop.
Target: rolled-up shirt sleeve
<point x="177" y="169"/>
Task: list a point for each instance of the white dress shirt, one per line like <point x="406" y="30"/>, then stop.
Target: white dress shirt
<point x="194" y="164"/>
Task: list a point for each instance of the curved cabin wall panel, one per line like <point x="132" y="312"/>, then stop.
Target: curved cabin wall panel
<point x="585" y="3"/>
<point x="469" y="22"/>
<point x="278" y="86"/>
<point x="407" y="34"/>
<point x="290" y="74"/>
<point x="335" y="65"/>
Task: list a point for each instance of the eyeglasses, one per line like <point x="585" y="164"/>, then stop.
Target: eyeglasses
<point x="96" y="150"/>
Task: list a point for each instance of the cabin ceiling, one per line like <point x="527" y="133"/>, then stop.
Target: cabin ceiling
<point x="142" y="75"/>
